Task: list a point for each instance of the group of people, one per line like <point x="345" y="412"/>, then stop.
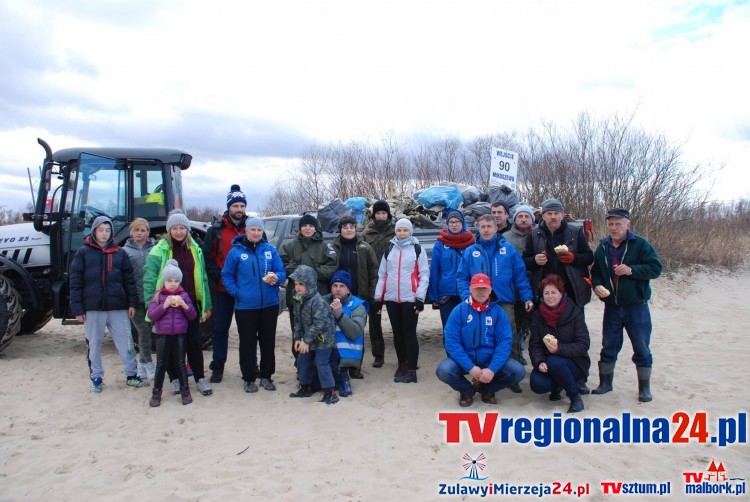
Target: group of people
<point x="513" y="280"/>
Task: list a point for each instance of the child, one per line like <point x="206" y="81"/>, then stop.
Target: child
<point x="170" y="310"/>
<point x="138" y="247"/>
<point x="103" y="295"/>
<point x="314" y="335"/>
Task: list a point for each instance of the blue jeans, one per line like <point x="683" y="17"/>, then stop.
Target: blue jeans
<point x="448" y="371"/>
<point x="636" y="319"/>
<point x="322" y="358"/>
<point x="223" y="310"/>
<point x="560" y="370"/>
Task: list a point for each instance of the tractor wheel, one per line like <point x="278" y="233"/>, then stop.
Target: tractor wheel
<point x="34" y="320"/>
<point x="10" y="312"/>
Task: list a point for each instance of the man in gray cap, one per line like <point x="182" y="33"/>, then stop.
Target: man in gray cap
<point x="624" y="263"/>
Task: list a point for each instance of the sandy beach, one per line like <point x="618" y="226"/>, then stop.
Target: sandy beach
<point x="60" y="442"/>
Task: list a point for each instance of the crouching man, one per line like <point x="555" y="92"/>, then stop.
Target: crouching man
<point x="478" y="340"/>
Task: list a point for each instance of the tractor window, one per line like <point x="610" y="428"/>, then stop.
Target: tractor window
<point x="101" y="191"/>
<point x="148" y="192"/>
<point x="179" y="203"/>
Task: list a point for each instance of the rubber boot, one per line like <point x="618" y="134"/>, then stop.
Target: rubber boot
<point x="644" y="384"/>
<point x="345" y="385"/>
<point x="329" y="396"/>
<point x="606" y="374"/>
<point x="576" y="404"/>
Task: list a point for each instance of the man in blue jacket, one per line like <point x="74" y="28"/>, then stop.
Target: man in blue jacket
<point x="494" y="256"/>
<point x="478" y="341"/>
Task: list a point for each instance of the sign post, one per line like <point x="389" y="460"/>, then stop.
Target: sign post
<point x="503" y="168"/>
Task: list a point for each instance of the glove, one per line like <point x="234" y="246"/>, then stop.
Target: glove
<point x="419" y="305"/>
<point x="376" y="307"/>
<point x="567" y="258"/>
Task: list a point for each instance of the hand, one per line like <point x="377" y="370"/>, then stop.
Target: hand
<point x="377" y="307"/>
<point x="551" y="348"/>
<point x="435" y="306"/>
<point x="206" y="316"/>
<point x="303" y="348"/>
<point x="167" y="303"/>
<point x="543" y="367"/>
<point x="336" y="306"/>
<point x="131" y="312"/>
<point x="81" y="318"/>
<point x="272" y="278"/>
<point x="567" y="258"/>
<point x="486" y="376"/>
<point x="623" y="269"/>
<point x="476" y="372"/>
<point x="541" y="259"/>
<point x="418" y="306"/>
<point x="529" y="306"/>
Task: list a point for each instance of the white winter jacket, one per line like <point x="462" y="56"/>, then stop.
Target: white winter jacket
<point x="398" y="279"/>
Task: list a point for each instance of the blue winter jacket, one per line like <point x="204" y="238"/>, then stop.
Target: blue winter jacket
<point x="243" y="272"/>
<point x="478" y="338"/>
<point x="444" y="267"/>
<point x="503" y="265"/>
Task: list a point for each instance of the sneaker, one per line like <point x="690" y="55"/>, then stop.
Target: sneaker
<point x="175" y="387"/>
<point x="204" y="387"/>
<point x="250" y="387"/>
<point x="96" y="385"/>
<point x="186" y="397"/>
<point x="303" y="391"/>
<point x="267" y="384"/>
<point x="401" y="370"/>
<point x="378" y="362"/>
<point x="150" y="370"/>
<point x="135" y="381"/>
<point x="217" y="376"/>
<point x="189" y="369"/>
<point x="142" y="370"/>
<point x="329" y="396"/>
<point x="155" y="400"/>
<point x="410" y="376"/>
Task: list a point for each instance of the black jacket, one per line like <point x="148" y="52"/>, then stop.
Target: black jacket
<point x="572" y="337"/>
<point x="101" y="279"/>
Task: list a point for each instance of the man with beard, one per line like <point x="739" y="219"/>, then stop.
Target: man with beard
<point x="216" y="246"/>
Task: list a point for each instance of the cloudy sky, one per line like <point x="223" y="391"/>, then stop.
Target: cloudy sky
<point x="245" y="85"/>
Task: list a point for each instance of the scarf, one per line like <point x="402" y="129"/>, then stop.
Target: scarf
<point x="551" y="316"/>
<point x="479" y="307"/>
<point x="456" y="241"/>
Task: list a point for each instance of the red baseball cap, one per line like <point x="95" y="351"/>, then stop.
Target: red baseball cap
<point x="481" y="281"/>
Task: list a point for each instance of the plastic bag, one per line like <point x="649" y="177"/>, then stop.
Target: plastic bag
<point x="330" y="214"/>
<point x="450" y="197"/>
<point x="357" y="205"/>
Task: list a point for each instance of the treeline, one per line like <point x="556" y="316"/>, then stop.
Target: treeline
<point x="590" y="165"/>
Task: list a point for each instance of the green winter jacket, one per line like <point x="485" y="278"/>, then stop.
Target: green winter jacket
<point x="155" y="262"/>
<point x="313" y="252"/>
<point x="640" y="256"/>
<point x="378" y="234"/>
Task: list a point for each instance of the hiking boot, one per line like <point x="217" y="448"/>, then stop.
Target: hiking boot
<point x="175" y="387"/>
<point x="345" y="385"/>
<point x="267" y="384"/>
<point x="378" y="362"/>
<point x="135" y="381"/>
<point x="186" y="397"/>
<point x="576" y="404"/>
<point x="204" y="387"/>
<point x="401" y="370"/>
<point x="410" y="376"/>
<point x="514" y="387"/>
<point x="465" y="400"/>
<point x="303" y="391"/>
<point x="329" y="396"/>
<point x="150" y="370"/>
<point x="217" y="376"/>
<point x="250" y="387"/>
<point x="142" y="370"/>
<point x="155" y="401"/>
<point x="96" y="385"/>
<point x="356" y="373"/>
<point x="489" y="398"/>
<point x="556" y="393"/>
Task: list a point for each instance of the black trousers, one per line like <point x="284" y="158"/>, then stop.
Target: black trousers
<point x="404" y="323"/>
<point x="376" y="334"/>
<point x="194" y="350"/>
<point x="257" y="327"/>
<point x="170" y="351"/>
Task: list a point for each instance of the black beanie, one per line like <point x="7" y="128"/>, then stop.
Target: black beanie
<point x="308" y="219"/>
<point x="346" y="219"/>
<point x="381" y="205"/>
